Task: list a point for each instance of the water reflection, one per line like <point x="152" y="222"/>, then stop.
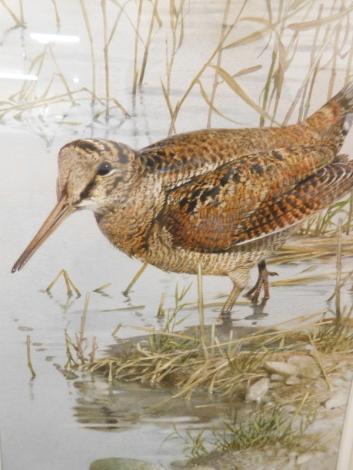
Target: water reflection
<point x="104" y="407"/>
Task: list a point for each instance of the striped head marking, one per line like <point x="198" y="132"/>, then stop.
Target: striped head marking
<point x="91" y="170"/>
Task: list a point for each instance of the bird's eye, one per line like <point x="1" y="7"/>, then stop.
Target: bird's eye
<point x="104" y="169"/>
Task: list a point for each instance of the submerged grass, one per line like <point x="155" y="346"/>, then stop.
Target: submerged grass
<point x="29" y="359"/>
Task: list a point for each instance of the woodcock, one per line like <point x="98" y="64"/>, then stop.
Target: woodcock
<point x="224" y="199"/>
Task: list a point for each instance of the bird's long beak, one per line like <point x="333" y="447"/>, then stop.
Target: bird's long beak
<point x="60" y="212"/>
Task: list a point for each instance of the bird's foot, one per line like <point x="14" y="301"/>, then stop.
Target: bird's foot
<point x="262" y="283"/>
<point x="224" y="315"/>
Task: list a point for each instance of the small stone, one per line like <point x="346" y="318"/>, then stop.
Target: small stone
<point x="282" y="452"/>
<point x="338" y="382"/>
<point x="281" y="368"/>
<point x="276" y="377"/>
<point x="179" y="463"/>
<point x="115" y="463"/>
<point x="337" y="400"/>
<point x="293" y="380"/>
<point x="258" y="390"/>
<point x="268" y="402"/>
<point x="275" y="385"/>
<point x="201" y="467"/>
<point x="306" y="365"/>
<point x="320" y="384"/>
<point x="301" y="459"/>
<point x="269" y="452"/>
<point x="289" y="408"/>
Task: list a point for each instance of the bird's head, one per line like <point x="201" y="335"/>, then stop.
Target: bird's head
<point x="93" y="174"/>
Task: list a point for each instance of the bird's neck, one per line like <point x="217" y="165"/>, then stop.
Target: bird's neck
<point x="128" y="225"/>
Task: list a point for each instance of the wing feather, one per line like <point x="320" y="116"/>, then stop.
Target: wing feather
<point x="253" y="197"/>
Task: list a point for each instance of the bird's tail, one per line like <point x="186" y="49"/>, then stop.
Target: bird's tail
<point x="333" y="120"/>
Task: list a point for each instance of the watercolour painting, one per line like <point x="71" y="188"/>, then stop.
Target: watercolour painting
<point x="109" y="362"/>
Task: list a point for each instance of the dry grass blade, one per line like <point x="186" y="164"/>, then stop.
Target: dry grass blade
<point x="167" y="99"/>
<point x="281" y="68"/>
<point x="348" y="223"/>
<point x="138" y="22"/>
<point x="174" y="113"/>
<point x="15" y="17"/>
<point x="79" y="344"/>
<point x="152" y="331"/>
<point x="315" y="23"/>
<point x="134" y="279"/>
<point x="305" y="279"/>
<point x="248" y="70"/>
<point x="106" y="57"/>
<point x="200" y="303"/>
<point x="307" y="77"/>
<point x="29" y="360"/>
<point x="212" y="106"/>
<point x="130" y="307"/>
<point x="339" y="271"/>
<point x="297" y="3"/>
<point x="253" y="37"/>
<point x="81" y="335"/>
<point x="161" y="311"/>
<point x="68" y="282"/>
<point x="57" y="17"/>
<point x="104" y="286"/>
<point x="61" y="75"/>
<point x="154" y="17"/>
<point x="90" y="38"/>
<point x="318" y="360"/>
<point x="240" y="92"/>
<point x="219" y="61"/>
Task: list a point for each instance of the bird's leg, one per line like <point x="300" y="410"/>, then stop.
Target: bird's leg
<point x="262" y="282"/>
<point x="240" y="278"/>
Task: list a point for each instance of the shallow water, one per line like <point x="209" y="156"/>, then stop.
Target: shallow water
<point x="55" y="421"/>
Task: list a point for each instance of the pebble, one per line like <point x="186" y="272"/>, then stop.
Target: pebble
<point x="306" y="365"/>
<point x="115" y="463"/>
<point x="275" y="385"/>
<point x="258" y="390"/>
<point x="293" y="380"/>
<point x="339" y="382"/>
<point x="201" y="467"/>
<point x="337" y="400"/>
<point x="282" y="452"/>
<point x="281" y="368"/>
<point x="179" y="464"/>
<point x="304" y="458"/>
<point x="321" y="384"/>
<point x="290" y="408"/>
<point x="276" y="377"/>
